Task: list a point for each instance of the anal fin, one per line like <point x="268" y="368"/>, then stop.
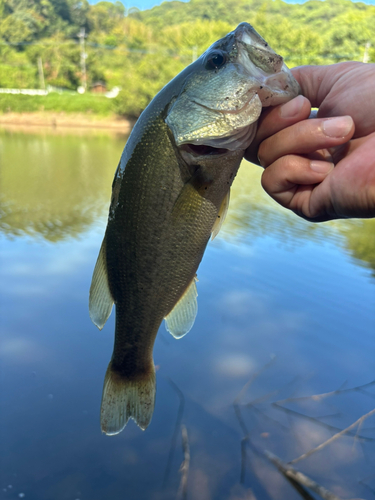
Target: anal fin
<point x="181" y="319"/>
<point x="100" y="301"/>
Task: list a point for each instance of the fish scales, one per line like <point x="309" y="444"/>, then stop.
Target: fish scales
<point x="170" y="193"/>
<point x="136" y="253"/>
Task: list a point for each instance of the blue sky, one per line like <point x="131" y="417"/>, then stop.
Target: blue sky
<point x="148" y="4"/>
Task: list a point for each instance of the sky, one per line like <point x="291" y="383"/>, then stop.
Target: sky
<point x="148" y="4"/>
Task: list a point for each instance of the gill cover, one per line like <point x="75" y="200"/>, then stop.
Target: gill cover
<point x="219" y="102"/>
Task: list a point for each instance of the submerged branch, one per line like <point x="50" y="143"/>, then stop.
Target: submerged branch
<point x="241" y="421"/>
<point x="298" y="480"/>
<point x="255" y="376"/>
<point x="334" y="437"/>
<point x="319" y="422"/>
<point x="290" y="473"/>
<point x="318" y="397"/>
<point x="175" y="432"/>
<point x="184" y="469"/>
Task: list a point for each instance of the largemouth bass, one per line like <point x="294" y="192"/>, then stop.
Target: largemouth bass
<point x="170" y="194"/>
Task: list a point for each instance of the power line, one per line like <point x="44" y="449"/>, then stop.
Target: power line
<point x="90" y="44"/>
<point x="169" y="52"/>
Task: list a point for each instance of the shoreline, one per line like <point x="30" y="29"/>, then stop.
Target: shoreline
<point x="68" y="120"/>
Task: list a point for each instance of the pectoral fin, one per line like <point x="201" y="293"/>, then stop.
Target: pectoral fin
<point x="221" y="215"/>
<point x="181" y="319"/>
<point x="101" y="301"/>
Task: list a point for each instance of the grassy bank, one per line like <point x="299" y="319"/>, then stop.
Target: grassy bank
<point x="66" y="102"/>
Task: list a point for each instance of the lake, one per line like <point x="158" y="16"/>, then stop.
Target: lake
<point x="286" y="311"/>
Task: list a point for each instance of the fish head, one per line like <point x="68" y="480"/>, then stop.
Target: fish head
<point x="225" y="90"/>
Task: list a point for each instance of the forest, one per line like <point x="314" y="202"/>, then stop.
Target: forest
<point x="69" y="43"/>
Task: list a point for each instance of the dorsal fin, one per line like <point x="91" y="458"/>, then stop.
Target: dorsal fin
<point x="221" y="215"/>
<point x="101" y="301"/>
<point x="181" y="319"/>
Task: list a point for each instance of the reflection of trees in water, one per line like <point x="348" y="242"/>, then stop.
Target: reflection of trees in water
<point x="360" y="238"/>
<point x="56" y="185"/>
<point x="53" y="185"/>
<point x="253" y="214"/>
<point x="17" y="222"/>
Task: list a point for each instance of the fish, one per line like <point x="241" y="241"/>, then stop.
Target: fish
<point x="170" y="195"/>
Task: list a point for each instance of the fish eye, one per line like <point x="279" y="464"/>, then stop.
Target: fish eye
<point x="216" y="60"/>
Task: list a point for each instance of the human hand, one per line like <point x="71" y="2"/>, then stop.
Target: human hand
<point x="322" y="168"/>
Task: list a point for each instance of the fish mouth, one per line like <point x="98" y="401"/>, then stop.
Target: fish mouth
<point x="265" y="67"/>
<point x="203" y="150"/>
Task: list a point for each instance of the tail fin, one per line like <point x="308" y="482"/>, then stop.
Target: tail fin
<point x="123" y="399"/>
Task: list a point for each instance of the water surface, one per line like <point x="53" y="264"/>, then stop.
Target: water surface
<point x="285" y="306"/>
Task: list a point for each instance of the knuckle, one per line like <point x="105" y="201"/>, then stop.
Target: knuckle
<point x="285" y="164"/>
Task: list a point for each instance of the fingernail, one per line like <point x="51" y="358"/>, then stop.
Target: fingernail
<point x="322" y="167"/>
<point x="259" y="161"/>
<point x="338" y="127"/>
<point x="291" y="108"/>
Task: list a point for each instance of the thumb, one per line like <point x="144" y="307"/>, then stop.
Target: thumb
<point x="317" y="81"/>
<point x="341" y="89"/>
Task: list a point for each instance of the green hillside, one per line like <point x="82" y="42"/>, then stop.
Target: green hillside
<point x="140" y="51"/>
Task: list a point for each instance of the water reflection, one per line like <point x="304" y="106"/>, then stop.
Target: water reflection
<point x="270" y="284"/>
<point x="360" y="240"/>
<point x="57" y="182"/>
<point x="254" y="214"/>
<point x="55" y="185"/>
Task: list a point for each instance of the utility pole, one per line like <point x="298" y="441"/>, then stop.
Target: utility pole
<point x="195" y="52"/>
<point x="81" y="37"/>
<point x="366" y="56"/>
<point x="41" y="74"/>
